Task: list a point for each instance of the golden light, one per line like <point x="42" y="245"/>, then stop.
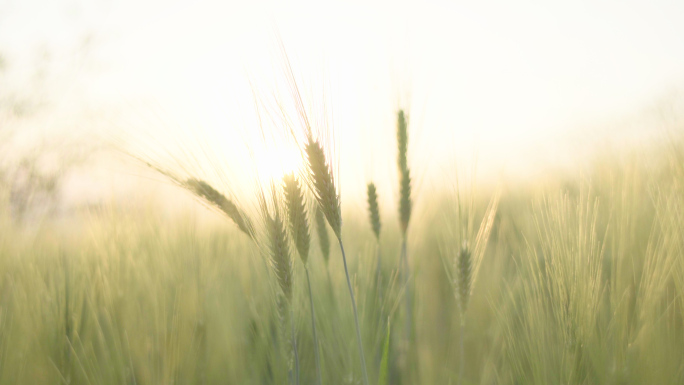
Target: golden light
<point x="275" y="161"/>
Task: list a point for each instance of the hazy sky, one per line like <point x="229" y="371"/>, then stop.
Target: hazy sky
<point x="516" y="83"/>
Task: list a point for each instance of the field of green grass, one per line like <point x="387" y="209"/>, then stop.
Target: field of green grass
<point x="581" y="281"/>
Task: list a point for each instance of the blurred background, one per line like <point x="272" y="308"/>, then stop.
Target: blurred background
<point x="570" y="112"/>
<point x="523" y="90"/>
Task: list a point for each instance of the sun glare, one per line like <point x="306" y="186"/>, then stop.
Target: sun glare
<point x="274" y="162"/>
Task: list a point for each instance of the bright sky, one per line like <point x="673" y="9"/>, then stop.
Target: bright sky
<point x="511" y="83"/>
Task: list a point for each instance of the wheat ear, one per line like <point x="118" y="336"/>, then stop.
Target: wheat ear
<point x="404" y="172"/>
<point x="323" y="185"/>
<point x="373" y="210"/>
<point x="210" y="195"/>
<point x="296" y="212"/>
<point x="321" y="178"/>
<point x="405" y="208"/>
<point x="463" y="284"/>
<point x="299" y="228"/>
<point x="374" y="216"/>
<point x="276" y="245"/>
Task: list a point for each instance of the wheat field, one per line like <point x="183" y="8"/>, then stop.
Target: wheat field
<point x="301" y="192"/>
<point x="575" y="280"/>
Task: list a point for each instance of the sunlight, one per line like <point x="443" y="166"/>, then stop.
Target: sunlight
<point x="273" y="162"/>
<point x="483" y="192"/>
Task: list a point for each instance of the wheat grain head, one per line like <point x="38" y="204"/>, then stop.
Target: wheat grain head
<point x="373" y="209"/>
<point x="211" y="196"/>
<point x="323" y="184"/>
<point x="296" y="213"/>
<point x="405" y="204"/>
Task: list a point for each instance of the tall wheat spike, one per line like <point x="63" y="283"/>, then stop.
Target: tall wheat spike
<point x="464" y="269"/>
<point x="405" y="208"/>
<point x="299" y="228"/>
<point x="321" y="181"/>
<point x="374" y="210"/>
<point x="280" y="256"/>
<point x="402" y="140"/>
<point x="374" y="216"/>
<point x="467" y="261"/>
<point x="276" y="246"/>
<point x="321" y="178"/>
<point x="404" y="172"/>
<point x="296" y="212"/>
<point x="323" y="184"/>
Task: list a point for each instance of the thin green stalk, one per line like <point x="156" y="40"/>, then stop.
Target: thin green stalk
<point x="356" y="317"/>
<point x="331" y="288"/>
<point x="407" y="292"/>
<point x="460" y="350"/>
<point x="313" y="326"/>
<point x="294" y="346"/>
<point x="378" y="267"/>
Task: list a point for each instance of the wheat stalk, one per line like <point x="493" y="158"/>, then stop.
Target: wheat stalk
<point x="323" y="239"/>
<point x="405" y="208"/>
<point x="276" y="246"/>
<point x="299" y="228"/>
<point x="324" y="244"/>
<point x="467" y="262"/>
<point x="323" y="185"/>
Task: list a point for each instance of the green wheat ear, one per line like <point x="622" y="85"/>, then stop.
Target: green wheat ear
<point x="296" y="212"/>
<point x="405" y="205"/>
<point x="203" y="190"/>
<point x="324" y="185"/>
<point x="374" y="210"/>
<point x="404" y="172"/>
<point x="280" y="255"/>
<point x="276" y="245"/>
<point x="402" y="140"/>
<point x="464" y="269"/>
<point x="299" y="227"/>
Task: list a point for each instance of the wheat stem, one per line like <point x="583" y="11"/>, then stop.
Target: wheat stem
<point x="461" y="360"/>
<point x="405" y="209"/>
<point x="407" y="296"/>
<point x="313" y="326"/>
<point x="356" y="317"/>
<point x="294" y="345"/>
<point x="323" y="239"/>
<point x="378" y="269"/>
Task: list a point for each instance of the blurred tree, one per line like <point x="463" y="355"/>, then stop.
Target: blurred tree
<point x="34" y="162"/>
